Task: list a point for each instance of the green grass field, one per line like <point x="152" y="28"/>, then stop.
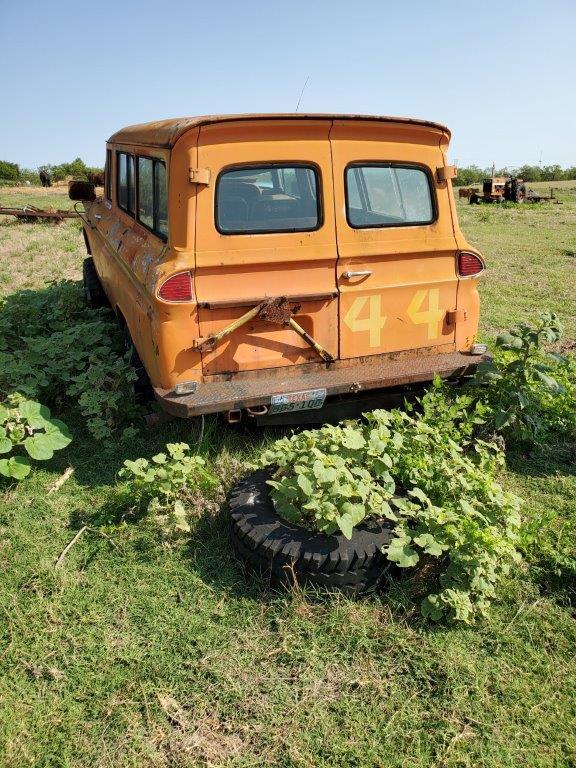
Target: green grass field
<point x="148" y="655"/>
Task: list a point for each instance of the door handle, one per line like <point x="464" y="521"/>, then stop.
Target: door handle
<point x="361" y="273"/>
<point x="97" y="216"/>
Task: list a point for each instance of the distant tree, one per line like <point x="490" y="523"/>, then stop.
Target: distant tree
<point x="77" y="169"/>
<point x="472" y="174"/>
<point x="469" y="175"/>
<point x="530" y="173"/>
<point x="27" y="174"/>
<point x="9" y="171"/>
<point x="552" y="173"/>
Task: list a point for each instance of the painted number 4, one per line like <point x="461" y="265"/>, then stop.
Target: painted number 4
<point x="373" y="323"/>
<point x="431" y="316"/>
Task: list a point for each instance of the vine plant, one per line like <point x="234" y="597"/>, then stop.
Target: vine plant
<point x="27" y="431"/>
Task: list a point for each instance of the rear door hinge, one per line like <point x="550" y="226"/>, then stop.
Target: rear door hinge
<point x="199" y="176"/>
<point x="454" y="316"/>
<point x="446" y="172"/>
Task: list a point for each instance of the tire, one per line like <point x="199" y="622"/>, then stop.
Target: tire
<point x="473" y="199"/>
<point x="143" y="391"/>
<point x="93" y="290"/>
<point x="286" y="554"/>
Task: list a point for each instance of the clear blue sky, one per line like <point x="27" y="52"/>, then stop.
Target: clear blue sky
<point x="500" y="74"/>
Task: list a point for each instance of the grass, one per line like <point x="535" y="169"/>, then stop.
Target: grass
<point x="149" y="655"/>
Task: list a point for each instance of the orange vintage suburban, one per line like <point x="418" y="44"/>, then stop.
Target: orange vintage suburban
<point x="267" y="263"/>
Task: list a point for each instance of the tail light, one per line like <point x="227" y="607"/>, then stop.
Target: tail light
<point x="177" y="288"/>
<point x="469" y="264"/>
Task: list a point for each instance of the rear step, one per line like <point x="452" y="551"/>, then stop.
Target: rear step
<point x="243" y="392"/>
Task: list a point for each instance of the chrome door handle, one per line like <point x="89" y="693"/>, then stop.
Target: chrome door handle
<point x="361" y="273"/>
<point x="97" y="216"/>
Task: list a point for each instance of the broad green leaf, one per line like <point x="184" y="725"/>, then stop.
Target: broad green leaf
<point x="346" y="525"/>
<point x="502" y="419"/>
<point x="419" y="494"/>
<point x="16" y="467"/>
<point x="58" y="434"/>
<point x="180" y="520"/>
<point x="431" y="608"/>
<point x="556" y="356"/>
<point x="5" y="445"/>
<point x="550" y="383"/>
<point x="177" y="450"/>
<point x="287" y="510"/>
<point x="401" y="553"/>
<point x="305" y="485"/>
<point x="160" y="458"/>
<point x="39" y="447"/>
<point x="429" y="544"/>
<point x="356" y="512"/>
<point x="352" y="439"/>
<point x="3" y="414"/>
<point x="509" y="341"/>
<point x="35" y="413"/>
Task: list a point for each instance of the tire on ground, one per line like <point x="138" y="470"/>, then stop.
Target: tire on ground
<point x="143" y="390"/>
<point x="93" y="290"/>
<point x="286" y="554"/>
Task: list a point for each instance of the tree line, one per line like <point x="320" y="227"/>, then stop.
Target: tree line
<point x="472" y="174"/>
<point x="11" y="173"/>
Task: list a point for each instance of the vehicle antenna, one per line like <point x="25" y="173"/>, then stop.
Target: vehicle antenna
<point x="302" y="92"/>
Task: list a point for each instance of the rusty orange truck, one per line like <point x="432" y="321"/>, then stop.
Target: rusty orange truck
<point x="277" y="263"/>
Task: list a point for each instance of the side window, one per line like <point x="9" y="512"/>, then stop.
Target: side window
<point x="265" y="199"/>
<point x="122" y="183"/>
<point x="388" y="195"/>
<point x="108" y="175"/>
<point x="160" y="198"/>
<point x="125" y="184"/>
<point x="153" y="195"/>
<point x="131" y="189"/>
<point x="146" y="191"/>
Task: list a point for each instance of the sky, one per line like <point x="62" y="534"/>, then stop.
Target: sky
<point x="500" y="75"/>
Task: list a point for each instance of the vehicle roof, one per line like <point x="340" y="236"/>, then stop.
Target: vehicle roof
<point x="165" y="133"/>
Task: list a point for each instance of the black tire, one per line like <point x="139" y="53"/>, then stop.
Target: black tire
<point x="473" y="199"/>
<point x="286" y="554"/>
<point x="93" y="290"/>
<point x="143" y="391"/>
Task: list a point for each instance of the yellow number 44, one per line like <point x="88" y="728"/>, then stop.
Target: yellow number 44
<point x="373" y="323"/>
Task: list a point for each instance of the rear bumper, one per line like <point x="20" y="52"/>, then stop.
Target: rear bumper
<point x="245" y="391"/>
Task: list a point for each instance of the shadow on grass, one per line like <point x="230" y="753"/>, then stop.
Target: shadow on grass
<point x="554" y="459"/>
<point x="549" y="546"/>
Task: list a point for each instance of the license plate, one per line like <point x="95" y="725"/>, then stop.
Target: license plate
<point x="297" y="401"/>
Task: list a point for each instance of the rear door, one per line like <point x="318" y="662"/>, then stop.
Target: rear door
<point x="396" y="246"/>
<point x="265" y="229"/>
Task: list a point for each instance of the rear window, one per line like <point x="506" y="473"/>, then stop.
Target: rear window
<point x="260" y="199"/>
<point x="388" y="195"/>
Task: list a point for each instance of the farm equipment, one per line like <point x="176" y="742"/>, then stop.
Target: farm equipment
<point x="499" y="188"/>
<point x="30" y="213"/>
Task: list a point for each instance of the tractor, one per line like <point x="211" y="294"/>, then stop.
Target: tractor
<point x="499" y="188"/>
